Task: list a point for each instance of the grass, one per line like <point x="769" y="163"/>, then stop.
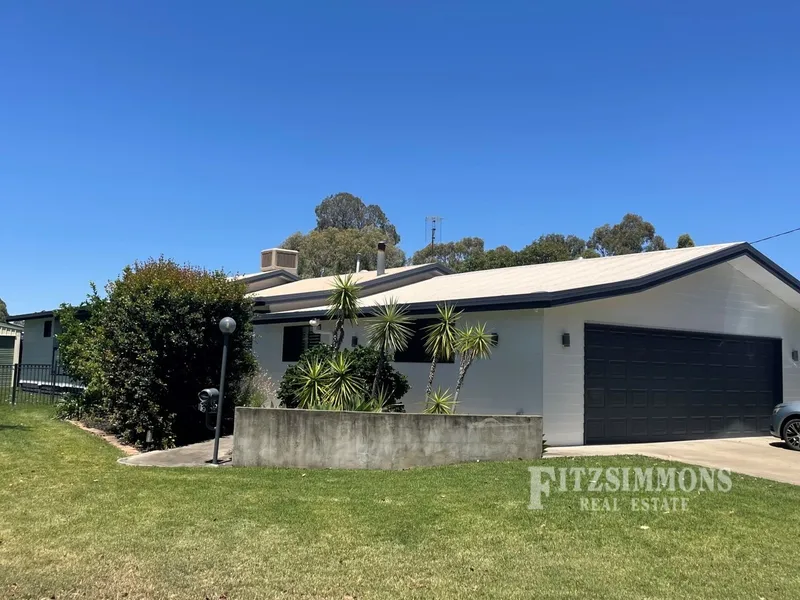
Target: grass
<point x="74" y="523"/>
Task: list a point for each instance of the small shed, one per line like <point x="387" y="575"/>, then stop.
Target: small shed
<point x="10" y="343"/>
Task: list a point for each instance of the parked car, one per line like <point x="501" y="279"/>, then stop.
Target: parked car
<point x="786" y="423"/>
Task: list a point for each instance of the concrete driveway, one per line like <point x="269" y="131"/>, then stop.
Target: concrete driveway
<point x="765" y="457"/>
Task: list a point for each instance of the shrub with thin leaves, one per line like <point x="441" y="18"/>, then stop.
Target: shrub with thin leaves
<point x="259" y="391"/>
<point x="440" y="338"/>
<point x="472" y="342"/>
<point x="344" y="305"/>
<point x="389" y="331"/>
<point x="315" y="380"/>
<point x="346" y="387"/>
<point x="440" y="402"/>
<point x="365" y="361"/>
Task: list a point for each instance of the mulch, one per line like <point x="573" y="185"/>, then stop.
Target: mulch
<point x="107" y="437"/>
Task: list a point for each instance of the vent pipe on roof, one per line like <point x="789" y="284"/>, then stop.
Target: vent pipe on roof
<point x="358" y="262"/>
<point x="381" y="258"/>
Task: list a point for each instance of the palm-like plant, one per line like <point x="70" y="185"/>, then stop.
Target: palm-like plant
<point x="388" y="332"/>
<point x="344" y="304"/>
<point x="440" y="338"/>
<point x="440" y="402"/>
<point x="345" y="387"/>
<point x="371" y="404"/>
<point x="471" y="342"/>
<point x="315" y="379"/>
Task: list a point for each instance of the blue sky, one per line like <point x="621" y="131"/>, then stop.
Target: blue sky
<point x="206" y="131"/>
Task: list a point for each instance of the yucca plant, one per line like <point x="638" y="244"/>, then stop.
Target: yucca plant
<point x="346" y="388"/>
<point x="314" y="377"/>
<point x="388" y="332"/>
<point x="366" y="404"/>
<point x="440" y="402"/>
<point x="440" y="338"/>
<point x="343" y="305"/>
<point x="471" y="342"/>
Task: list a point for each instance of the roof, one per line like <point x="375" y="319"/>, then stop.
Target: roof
<point x="4" y="325"/>
<point x="44" y="314"/>
<point x="553" y="284"/>
<point x="323" y="284"/>
<point x="264" y="275"/>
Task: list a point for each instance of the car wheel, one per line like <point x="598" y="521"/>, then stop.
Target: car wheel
<point x="791" y="434"/>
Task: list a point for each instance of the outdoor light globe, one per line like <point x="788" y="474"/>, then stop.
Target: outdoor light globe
<point x="227" y="325"/>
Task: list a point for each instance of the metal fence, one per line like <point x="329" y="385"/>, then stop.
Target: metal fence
<point x="34" y="383"/>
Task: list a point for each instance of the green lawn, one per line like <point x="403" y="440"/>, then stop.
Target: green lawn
<point x="74" y="523"/>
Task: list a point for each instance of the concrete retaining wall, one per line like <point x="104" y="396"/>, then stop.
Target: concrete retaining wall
<point x="278" y="437"/>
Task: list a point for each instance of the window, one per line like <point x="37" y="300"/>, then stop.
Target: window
<point x="48" y="329"/>
<point x="415" y="352"/>
<point x="296" y="340"/>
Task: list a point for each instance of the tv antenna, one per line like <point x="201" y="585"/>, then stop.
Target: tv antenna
<point x="432" y="225"/>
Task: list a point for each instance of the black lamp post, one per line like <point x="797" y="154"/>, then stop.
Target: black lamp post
<point x="227" y="326"/>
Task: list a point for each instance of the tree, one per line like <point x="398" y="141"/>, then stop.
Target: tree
<point x="553" y="247"/>
<point x="440" y="338"/>
<point x="3" y="311"/>
<point x="456" y="255"/>
<point x="388" y="332"/>
<point x="333" y="251"/>
<point x="153" y="343"/>
<point x="685" y="241"/>
<point x="346" y="211"/>
<point x="499" y="257"/>
<point x="630" y="236"/>
<point x="344" y="305"/>
<point x="81" y="344"/>
<point x="472" y="342"/>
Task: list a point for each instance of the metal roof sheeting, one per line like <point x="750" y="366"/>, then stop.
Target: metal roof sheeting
<point x="323" y="284"/>
<point x="538" y="279"/>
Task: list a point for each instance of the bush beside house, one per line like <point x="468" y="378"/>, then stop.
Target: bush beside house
<point x="147" y="348"/>
<point x="365" y="362"/>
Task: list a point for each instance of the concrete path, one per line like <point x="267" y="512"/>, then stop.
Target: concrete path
<point x="193" y="455"/>
<point x="765" y="457"/>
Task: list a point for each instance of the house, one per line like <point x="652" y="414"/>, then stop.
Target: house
<point x="10" y="343"/>
<point x="678" y="344"/>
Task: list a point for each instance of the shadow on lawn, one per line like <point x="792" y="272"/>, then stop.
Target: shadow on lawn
<point x="18" y="427"/>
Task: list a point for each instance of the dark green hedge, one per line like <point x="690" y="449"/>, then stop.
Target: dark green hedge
<point x="153" y="343"/>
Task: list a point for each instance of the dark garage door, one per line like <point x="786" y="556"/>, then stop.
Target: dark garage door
<point x="646" y="385"/>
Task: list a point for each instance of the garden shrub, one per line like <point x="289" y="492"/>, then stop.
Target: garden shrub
<point x="153" y="343"/>
<point x="394" y="384"/>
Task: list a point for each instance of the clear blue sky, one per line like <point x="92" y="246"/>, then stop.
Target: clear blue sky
<point x="206" y="131"/>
